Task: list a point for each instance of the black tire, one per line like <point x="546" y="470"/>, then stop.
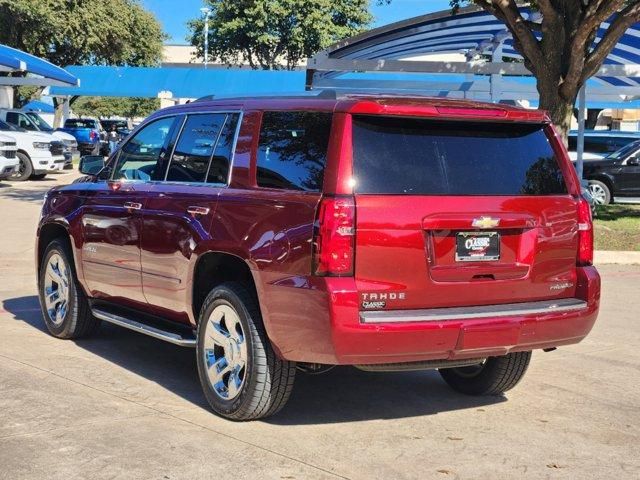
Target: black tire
<point x="39" y="176"/>
<point x="77" y="321"/>
<point x="267" y="379"/>
<point x="25" y="169"/>
<point x="493" y="377"/>
<point x="602" y="190"/>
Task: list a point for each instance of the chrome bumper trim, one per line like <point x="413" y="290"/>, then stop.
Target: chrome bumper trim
<point x="468" y="313"/>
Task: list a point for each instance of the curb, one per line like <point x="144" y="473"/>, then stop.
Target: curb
<point x="603" y="257"/>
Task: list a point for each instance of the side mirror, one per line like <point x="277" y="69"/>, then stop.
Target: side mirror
<point x="633" y="162"/>
<point x="91" y="164"/>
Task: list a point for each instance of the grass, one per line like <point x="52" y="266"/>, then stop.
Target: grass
<point x="617" y="227"/>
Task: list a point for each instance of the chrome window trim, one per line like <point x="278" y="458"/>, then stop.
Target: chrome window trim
<point x="545" y="307"/>
<point x="233" y="147"/>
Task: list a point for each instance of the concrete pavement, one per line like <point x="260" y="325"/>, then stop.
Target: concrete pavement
<point x="121" y="405"/>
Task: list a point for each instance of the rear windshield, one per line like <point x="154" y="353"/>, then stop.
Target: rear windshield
<point x="79" y="123"/>
<point x="396" y="155"/>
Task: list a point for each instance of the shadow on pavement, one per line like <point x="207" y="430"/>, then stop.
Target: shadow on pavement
<point x="344" y="394"/>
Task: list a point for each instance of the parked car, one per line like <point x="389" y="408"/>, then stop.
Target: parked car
<point x="33" y="122"/>
<point x="37" y="153"/>
<point x="8" y="159"/>
<point x="89" y="135"/>
<point x="283" y="234"/>
<point x="122" y="127"/>
<point x="616" y="175"/>
<point x="600" y="143"/>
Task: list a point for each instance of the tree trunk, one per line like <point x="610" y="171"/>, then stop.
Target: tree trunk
<point x="560" y="109"/>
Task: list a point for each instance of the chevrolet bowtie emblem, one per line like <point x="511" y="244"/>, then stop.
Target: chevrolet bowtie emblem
<point x="485" y="222"/>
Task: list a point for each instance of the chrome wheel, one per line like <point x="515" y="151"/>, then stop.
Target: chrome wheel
<point x="56" y="289"/>
<point x="598" y="193"/>
<point x="225" y="352"/>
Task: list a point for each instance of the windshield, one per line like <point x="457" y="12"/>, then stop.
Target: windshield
<point x="624" y="151"/>
<point x="39" y="122"/>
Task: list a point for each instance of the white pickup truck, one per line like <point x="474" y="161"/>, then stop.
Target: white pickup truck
<point x="8" y="158"/>
<point x="33" y="122"/>
<point x="38" y="153"/>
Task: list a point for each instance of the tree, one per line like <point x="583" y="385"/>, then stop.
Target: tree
<point x="105" y="107"/>
<point x="560" y="51"/>
<point x="83" y="32"/>
<point x="276" y="34"/>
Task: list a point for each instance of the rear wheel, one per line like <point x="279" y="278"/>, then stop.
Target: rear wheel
<point x="494" y="376"/>
<point x="241" y="376"/>
<point x="65" y="307"/>
<point x="600" y="192"/>
<point x="25" y="168"/>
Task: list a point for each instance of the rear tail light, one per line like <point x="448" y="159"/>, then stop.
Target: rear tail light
<point x="334" y="237"/>
<point x="92" y="135"/>
<point x="585" y="234"/>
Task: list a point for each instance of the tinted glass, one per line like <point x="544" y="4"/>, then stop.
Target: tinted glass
<point x="293" y="149"/>
<point x="139" y="157"/>
<point x="221" y="160"/>
<point x="6" y="126"/>
<point x="190" y="160"/>
<point x="80" y="123"/>
<point x="426" y="157"/>
<point x="20" y="120"/>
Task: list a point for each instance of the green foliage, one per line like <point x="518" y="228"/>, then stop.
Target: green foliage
<point x="83" y="32"/>
<point x="276" y="34"/>
<point x="105" y="107"/>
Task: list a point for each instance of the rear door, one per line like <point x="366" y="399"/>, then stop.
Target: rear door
<point x="459" y="214"/>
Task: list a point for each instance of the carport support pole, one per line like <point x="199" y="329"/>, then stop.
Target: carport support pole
<point x="582" y="105"/>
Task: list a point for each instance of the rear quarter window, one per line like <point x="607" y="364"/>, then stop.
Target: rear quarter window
<point x="395" y="155"/>
<point x="292" y="150"/>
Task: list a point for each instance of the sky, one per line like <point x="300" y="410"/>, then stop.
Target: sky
<point x="173" y="14"/>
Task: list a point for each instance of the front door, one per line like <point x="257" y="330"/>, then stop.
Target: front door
<point x="178" y="213"/>
<point x="112" y="221"/>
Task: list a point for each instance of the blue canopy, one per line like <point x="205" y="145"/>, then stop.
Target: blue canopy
<point x="12" y="59"/>
<point x="180" y="82"/>
<point x="38" y="106"/>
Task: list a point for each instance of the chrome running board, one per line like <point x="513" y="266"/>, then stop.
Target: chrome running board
<point x="145" y="329"/>
<point x="545" y="307"/>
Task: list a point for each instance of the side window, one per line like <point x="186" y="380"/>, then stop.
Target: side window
<point x="139" y="157"/>
<point x="19" y="120"/>
<point x="293" y="149"/>
<point x="221" y="160"/>
<point x="196" y="151"/>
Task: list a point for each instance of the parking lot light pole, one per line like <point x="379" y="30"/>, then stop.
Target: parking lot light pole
<point x="206" y="11"/>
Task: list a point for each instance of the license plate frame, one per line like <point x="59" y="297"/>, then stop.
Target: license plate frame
<point x="484" y="246"/>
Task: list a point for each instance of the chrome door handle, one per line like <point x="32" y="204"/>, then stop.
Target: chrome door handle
<point x="132" y="205"/>
<point x="198" y="210"/>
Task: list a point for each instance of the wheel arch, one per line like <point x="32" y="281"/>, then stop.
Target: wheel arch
<point x="25" y="153"/>
<point x="608" y="181"/>
<point x="214" y="268"/>
<point x="47" y="233"/>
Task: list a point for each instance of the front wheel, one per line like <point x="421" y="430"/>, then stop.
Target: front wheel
<point x="494" y="376"/>
<point x="25" y="168"/>
<point x="600" y="192"/>
<point x="241" y="376"/>
<point x="65" y="307"/>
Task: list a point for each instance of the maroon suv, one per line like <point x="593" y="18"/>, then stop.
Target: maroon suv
<point x="284" y="234"/>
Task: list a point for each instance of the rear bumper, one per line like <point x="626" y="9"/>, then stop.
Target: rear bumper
<point x="355" y="337"/>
